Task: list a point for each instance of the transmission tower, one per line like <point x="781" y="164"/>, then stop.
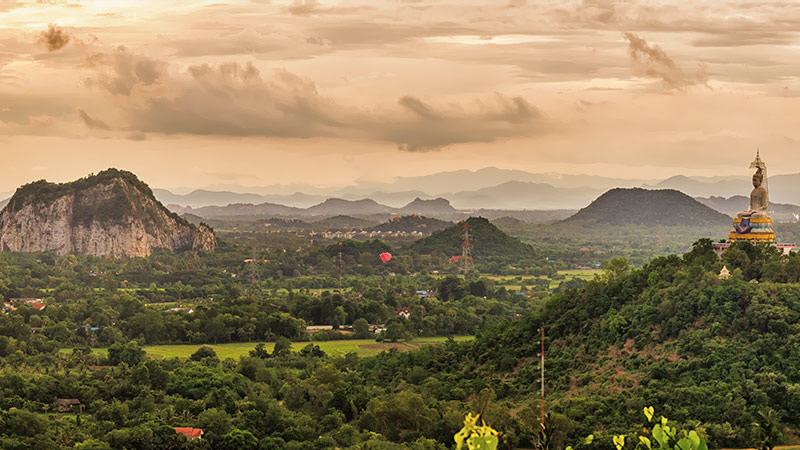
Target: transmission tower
<point x="466" y="251"/>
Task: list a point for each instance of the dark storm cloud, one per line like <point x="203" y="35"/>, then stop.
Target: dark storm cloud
<point x="92" y="122"/>
<point x="54" y="38"/>
<point x="652" y="62"/>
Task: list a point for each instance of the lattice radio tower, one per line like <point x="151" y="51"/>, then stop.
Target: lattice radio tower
<point x="466" y="251"/>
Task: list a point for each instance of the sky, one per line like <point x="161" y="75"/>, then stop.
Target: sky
<point x="196" y="93"/>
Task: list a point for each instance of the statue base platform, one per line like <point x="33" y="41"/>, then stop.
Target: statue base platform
<point x="760" y="230"/>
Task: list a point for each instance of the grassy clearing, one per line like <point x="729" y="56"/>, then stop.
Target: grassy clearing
<point x="362" y="347"/>
<point x="512" y="282"/>
<point x="586" y="274"/>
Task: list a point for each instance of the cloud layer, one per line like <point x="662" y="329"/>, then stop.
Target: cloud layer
<point x="431" y="83"/>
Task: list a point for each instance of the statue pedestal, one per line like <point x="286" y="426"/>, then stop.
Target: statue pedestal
<point x="760" y="231"/>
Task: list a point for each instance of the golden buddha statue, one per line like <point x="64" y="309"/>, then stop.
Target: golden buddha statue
<point x="754" y="223"/>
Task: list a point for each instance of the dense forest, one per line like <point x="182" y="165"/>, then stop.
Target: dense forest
<point x="708" y="353"/>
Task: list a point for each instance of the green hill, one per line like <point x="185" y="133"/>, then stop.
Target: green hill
<point x="648" y="207"/>
<point x="488" y="242"/>
<point x="704" y="352"/>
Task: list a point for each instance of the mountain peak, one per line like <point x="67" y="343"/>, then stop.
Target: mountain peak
<point x="639" y="206"/>
<point x="112" y="213"/>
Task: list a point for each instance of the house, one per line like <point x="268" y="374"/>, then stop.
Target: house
<point x="66" y="405"/>
<point x="724" y="274"/>
<point x="35" y="303"/>
<point x="314" y="328"/>
<point x="186" y="310"/>
<point x="190" y="433"/>
<point x="7" y="306"/>
<point x="405" y="313"/>
<point x="422" y="294"/>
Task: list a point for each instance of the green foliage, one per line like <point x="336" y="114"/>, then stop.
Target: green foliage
<point x="477" y="437"/>
<point x="130" y="353"/>
<point x="202" y="353"/>
<point x="665" y="436"/>
<point x="768" y="431"/>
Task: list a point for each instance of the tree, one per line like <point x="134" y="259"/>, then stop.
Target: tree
<point x="259" y="351"/>
<point x="92" y="444"/>
<point x="615" y="269"/>
<point x="202" y="353"/>
<point x="238" y="440"/>
<point x="768" y="430"/>
<point x="283" y="347"/>
<point x="361" y="328"/>
<point x="339" y="317"/>
<point x="214" y="421"/>
<point x="130" y="353"/>
<point x="215" y="328"/>
<point x="394" y="331"/>
<point x="404" y="416"/>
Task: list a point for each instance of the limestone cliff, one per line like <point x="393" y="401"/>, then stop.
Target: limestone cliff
<point x="112" y="213"/>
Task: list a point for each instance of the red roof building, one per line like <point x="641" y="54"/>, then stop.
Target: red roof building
<point x="190" y="433"/>
<point x="35" y="303"/>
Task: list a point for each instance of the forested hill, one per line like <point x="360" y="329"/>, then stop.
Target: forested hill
<point x="487" y="242"/>
<point x="672" y="335"/>
<point x="648" y="207"/>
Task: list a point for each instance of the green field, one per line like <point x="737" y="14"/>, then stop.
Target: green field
<point x="362" y="347"/>
<point x="512" y="282"/>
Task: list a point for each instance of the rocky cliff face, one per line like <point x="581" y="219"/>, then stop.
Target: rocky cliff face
<point x="108" y="214"/>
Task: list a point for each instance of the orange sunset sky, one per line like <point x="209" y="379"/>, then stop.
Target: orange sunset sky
<point x="202" y="93"/>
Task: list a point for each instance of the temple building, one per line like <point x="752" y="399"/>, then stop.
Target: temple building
<point x="754" y="223"/>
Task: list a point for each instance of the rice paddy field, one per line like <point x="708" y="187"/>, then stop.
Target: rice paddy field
<point x="362" y="347"/>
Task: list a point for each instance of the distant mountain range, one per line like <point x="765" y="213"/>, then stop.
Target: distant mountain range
<point x="782" y="188"/>
<point x="780" y="212"/>
<point x="524" y="195"/>
<point x="490" y="192"/>
<point x="488" y="188"/>
<point x="329" y="207"/>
